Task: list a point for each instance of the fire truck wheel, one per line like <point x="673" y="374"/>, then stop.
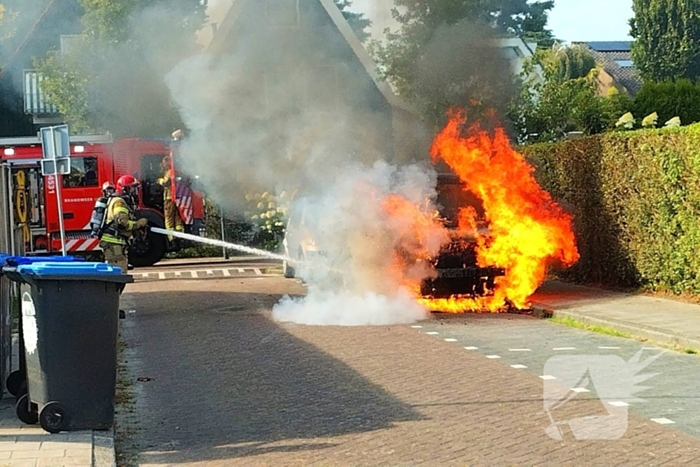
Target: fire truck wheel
<point x="147" y="251"/>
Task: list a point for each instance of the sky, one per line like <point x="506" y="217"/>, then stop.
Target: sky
<point x="570" y="20"/>
<point x="591" y="20"/>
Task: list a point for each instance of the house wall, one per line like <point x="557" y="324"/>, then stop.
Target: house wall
<point x="301" y="80"/>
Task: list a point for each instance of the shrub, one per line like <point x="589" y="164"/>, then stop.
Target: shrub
<point x="669" y="99"/>
<point x="636" y="201"/>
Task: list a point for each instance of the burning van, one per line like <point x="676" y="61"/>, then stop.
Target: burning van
<point x="456" y="270"/>
<point x="456" y="266"/>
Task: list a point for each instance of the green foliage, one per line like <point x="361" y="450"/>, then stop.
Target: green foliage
<point x="563" y="98"/>
<point x="680" y="98"/>
<point x="667" y="39"/>
<point x="268" y="213"/>
<point x="113" y="77"/>
<point x="439" y="57"/>
<point x="357" y="21"/>
<point x="635" y="198"/>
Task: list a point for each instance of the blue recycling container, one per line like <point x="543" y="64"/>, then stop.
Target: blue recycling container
<point x="16" y="381"/>
<point x="70" y="315"/>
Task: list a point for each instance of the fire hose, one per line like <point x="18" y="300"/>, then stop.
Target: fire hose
<point x="21" y="205"/>
<point x="219" y="243"/>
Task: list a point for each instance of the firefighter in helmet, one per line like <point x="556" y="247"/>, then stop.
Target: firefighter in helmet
<point x="108" y="189"/>
<point x="120" y="226"/>
<point x="172" y="215"/>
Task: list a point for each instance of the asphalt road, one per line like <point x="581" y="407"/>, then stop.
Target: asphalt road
<point x="213" y="380"/>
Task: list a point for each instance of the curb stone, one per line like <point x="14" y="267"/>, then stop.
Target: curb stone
<point x="103" y="453"/>
<point x="637" y="330"/>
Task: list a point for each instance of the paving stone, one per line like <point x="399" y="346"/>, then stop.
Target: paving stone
<point x="263" y="393"/>
<point x="41" y="453"/>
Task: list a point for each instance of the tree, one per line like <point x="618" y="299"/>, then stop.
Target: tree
<point x="443" y="54"/>
<point x="112" y="78"/>
<point x="564" y="99"/>
<point x="357" y="21"/>
<point x="667" y="39"/>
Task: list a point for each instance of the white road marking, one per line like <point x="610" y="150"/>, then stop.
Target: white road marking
<point x="520" y="350"/>
<point x="417" y="327"/>
<point x="493" y="356"/>
<point x="195" y="274"/>
<point x="580" y="390"/>
<point x="178" y="274"/>
<point x="210" y="272"/>
<point x="564" y="348"/>
<point x="519" y="367"/>
<point x="258" y="271"/>
<point x="618" y="404"/>
<point x="227" y="273"/>
<point x="662" y="421"/>
<point x="161" y="275"/>
<point x="472" y="348"/>
<point x="240" y="270"/>
<point x="608" y="348"/>
<point x="548" y="377"/>
<point x="450" y="340"/>
<point x="432" y="333"/>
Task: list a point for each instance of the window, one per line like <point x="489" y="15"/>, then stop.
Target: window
<point x="624" y="63"/>
<point x="83" y="173"/>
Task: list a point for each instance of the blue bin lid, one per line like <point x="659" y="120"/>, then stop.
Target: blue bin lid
<point x="18" y="260"/>
<point x="68" y="269"/>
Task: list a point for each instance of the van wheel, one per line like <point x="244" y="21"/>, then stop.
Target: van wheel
<point x="288" y="270"/>
<point x="148" y="250"/>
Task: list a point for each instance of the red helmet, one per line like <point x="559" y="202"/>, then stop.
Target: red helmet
<point x="126" y="181"/>
<point x="108" y="186"/>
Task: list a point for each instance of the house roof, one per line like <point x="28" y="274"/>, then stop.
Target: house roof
<point x="616" y="59"/>
<point x="609" y="46"/>
<point x="340" y="22"/>
<point x="25" y="36"/>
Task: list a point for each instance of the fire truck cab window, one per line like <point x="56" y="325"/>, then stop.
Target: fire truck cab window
<point x="83" y="173"/>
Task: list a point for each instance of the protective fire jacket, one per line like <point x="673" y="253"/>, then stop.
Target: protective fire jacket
<point x="166" y="182"/>
<point x="120" y="224"/>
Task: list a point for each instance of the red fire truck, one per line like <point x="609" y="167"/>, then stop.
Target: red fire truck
<point x="95" y="160"/>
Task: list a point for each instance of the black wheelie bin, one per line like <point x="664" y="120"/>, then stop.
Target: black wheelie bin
<point x="70" y="319"/>
<point x="16" y="381"/>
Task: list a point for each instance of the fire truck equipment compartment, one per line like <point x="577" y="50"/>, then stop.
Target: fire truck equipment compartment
<point x="70" y="314"/>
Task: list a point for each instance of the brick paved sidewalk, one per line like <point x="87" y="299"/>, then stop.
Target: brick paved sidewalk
<point x="663" y="320"/>
<point x="30" y="446"/>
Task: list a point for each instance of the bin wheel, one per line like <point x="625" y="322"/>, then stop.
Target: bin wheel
<point x="25" y="410"/>
<point x="14" y="382"/>
<point x="53" y="418"/>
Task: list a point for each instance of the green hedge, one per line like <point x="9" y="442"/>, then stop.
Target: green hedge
<point x="669" y="99"/>
<point x="636" y="201"/>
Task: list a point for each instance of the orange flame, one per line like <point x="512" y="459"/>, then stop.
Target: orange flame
<point x="528" y="230"/>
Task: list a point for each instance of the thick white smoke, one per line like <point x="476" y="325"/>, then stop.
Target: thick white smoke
<point x="271" y="120"/>
<point x="354" y="277"/>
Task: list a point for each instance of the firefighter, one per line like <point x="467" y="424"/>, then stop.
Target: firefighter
<point x="108" y="189"/>
<point x="170" y="211"/>
<point x="120" y="226"/>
